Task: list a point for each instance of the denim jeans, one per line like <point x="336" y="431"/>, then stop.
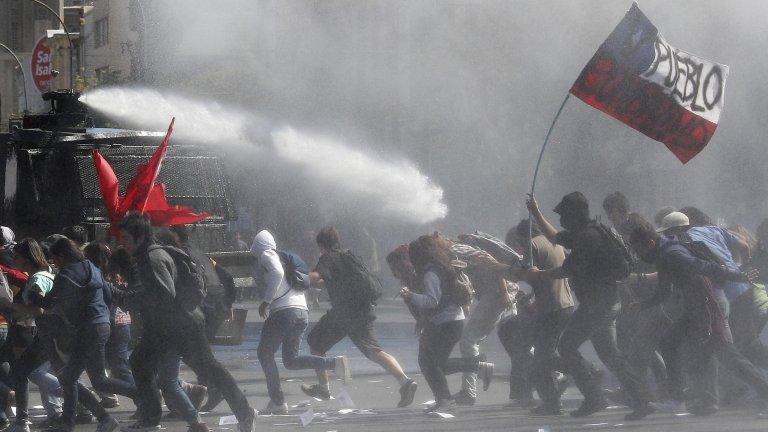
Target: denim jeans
<point x="88" y="354"/>
<point x="286" y="327"/>
<point x="51" y="392"/>
<point x="118" y="351"/>
<point x="168" y="380"/>
<point x="189" y="341"/>
<point x="595" y="320"/>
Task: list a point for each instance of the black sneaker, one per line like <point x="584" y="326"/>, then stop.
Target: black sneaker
<point x="316" y="391"/>
<point x="589" y="407"/>
<point x="640" y="413"/>
<point x="246" y="425"/>
<point x="464" y="398"/>
<point x="407" y="392"/>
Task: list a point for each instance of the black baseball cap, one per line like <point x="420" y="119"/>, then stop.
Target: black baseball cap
<point x="574" y="202"/>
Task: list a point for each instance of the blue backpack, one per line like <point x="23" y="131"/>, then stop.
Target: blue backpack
<point x="295" y="269"/>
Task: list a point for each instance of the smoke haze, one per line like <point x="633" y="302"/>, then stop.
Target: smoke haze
<point x="467" y="90"/>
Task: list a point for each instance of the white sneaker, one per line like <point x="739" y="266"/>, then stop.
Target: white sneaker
<point x="108" y="425"/>
<point x="341" y="368"/>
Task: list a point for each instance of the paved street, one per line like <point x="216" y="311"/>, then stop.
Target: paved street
<point x="376" y="395"/>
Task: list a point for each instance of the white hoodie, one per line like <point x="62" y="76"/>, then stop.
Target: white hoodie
<point x="269" y="270"/>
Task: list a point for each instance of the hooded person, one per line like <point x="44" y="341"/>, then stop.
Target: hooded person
<point x="592" y="275"/>
<point x="286" y="315"/>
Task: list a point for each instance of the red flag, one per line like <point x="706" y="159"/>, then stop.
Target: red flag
<point x="110" y="188"/>
<point x="142" y="194"/>
<point x="138" y="190"/>
<point x="163" y="214"/>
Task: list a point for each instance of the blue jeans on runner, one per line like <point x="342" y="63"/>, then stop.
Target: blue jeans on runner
<point x="88" y="356"/>
<point x="51" y="393"/>
<point x="118" y="351"/>
<point x="286" y="327"/>
<point x="168" y="382"/>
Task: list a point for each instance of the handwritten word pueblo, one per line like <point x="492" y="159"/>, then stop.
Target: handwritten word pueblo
<point x="696" y="84"/>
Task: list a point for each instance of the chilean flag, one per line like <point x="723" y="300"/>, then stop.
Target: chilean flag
<point x="665" y="93"/>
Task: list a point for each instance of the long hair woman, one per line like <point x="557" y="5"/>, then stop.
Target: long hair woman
<point x="442" y="315"/>
<point x="28" y="351"/>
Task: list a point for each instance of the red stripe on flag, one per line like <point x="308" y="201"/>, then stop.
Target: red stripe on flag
<point x="643" y="106"/>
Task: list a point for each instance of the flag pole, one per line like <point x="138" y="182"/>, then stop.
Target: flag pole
<point x="536" y="174"/>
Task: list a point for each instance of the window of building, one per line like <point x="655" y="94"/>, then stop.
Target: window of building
<point x="101" y="32"/>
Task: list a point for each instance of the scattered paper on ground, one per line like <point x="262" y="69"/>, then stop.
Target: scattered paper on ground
<point x="227" y="420"/>
<point x="429" y="402"/>
<point x="375" y="381"/>
<point x="441" y="415"/>
<point x="306" y="417"/>
<point x="302" y="404"/>
<point x="346" y="411"/>
<point x="37" y="407"/>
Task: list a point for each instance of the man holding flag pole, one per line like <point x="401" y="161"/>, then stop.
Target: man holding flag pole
<point x="667" y="94"/>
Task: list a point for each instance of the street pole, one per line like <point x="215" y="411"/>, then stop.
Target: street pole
<point x="143" y="40"/>
<point x="69" y="39"/>
<point x="23" y="76"/>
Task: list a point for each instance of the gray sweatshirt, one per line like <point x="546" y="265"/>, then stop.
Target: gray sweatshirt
<point x="429" y="302"/>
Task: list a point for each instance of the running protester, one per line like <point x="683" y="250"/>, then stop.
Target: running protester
<point x="284" y="308"/>
<point x="352" y="315"/>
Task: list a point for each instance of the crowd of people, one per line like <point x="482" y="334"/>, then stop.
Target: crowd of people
<point x="678" y="300"/>
<point x="673" y="310"/>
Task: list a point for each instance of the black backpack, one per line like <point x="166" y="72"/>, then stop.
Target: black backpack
<point x="619" y="259"/>
<point x="357" y="280"/>
<point x="190" y="282"/>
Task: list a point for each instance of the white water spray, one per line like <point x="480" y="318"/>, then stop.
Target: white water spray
<point x="394" y="189"/>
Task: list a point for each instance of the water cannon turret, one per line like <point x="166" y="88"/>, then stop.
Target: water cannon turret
<point x="67" y="113"/>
